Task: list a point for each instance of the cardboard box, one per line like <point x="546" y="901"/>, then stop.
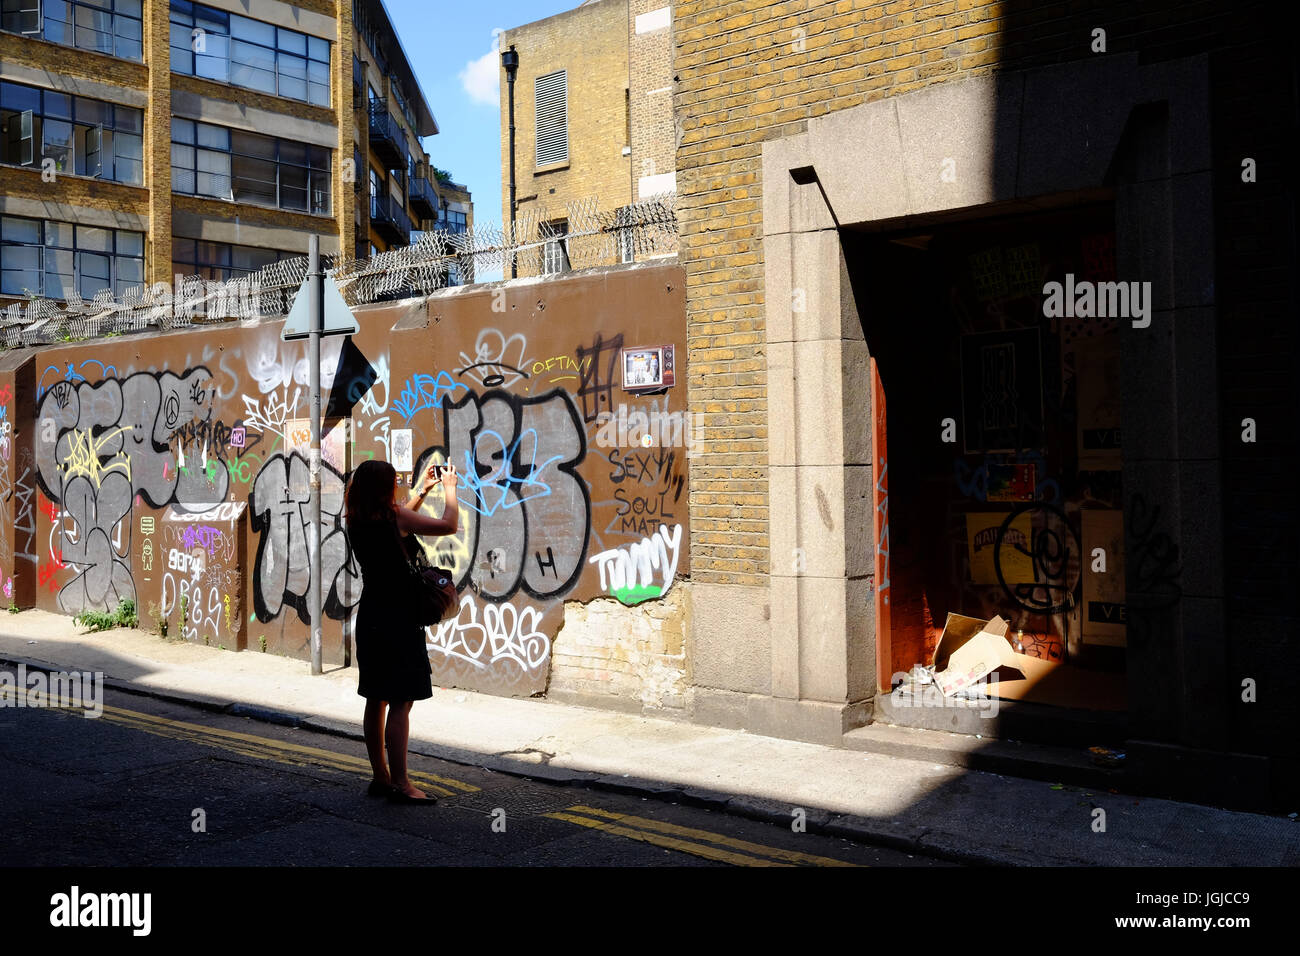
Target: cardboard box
<point x="971" y="649"/>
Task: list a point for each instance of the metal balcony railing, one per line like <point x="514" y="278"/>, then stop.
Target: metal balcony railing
<point x="387" y="141"/>
<point x="423" y="199"/>
<point x="389" y="220"/>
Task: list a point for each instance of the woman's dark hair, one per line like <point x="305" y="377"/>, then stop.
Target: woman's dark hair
<point x="372" y="492"/>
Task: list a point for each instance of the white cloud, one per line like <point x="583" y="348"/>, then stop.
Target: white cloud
<point x="481" y="78"/>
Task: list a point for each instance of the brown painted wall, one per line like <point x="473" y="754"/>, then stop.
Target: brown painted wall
<point x="169" y="465"/>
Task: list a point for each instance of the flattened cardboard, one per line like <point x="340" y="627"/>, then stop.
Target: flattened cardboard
<point x="1019" y="676"/>
<point x="969" y="650"/>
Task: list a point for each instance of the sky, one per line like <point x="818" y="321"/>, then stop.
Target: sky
<point x="452" y="48"/>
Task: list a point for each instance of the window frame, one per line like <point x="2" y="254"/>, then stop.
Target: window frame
<point x="109" y="122"/>
<point x="555" y="251"/>
<point x="280" y="51"/>
<point x="317" y="177"/>
<point x="118" y="13"/>
<point x="225" y="270"/>
<point x="79" y="252"/>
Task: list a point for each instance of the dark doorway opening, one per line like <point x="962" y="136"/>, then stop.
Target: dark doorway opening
<point x="998" y="487"/>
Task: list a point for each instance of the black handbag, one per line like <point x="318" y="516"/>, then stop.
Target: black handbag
<point x="434" y="589"/>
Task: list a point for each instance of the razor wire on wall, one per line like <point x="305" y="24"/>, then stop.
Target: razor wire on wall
<point x="437" y="260"/>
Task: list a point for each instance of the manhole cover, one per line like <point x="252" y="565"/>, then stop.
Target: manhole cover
<point x="523" y="801"/>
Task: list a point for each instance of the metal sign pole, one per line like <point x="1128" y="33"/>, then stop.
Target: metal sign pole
<point x="316" y="318"/>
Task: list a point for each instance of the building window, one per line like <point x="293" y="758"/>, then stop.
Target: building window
<point x="453" y="220"/>
<point x="111" y="27"/>
<point x="555" y="254"/>
<point x="553" y="118"/>
<point x="232" y="49"/>
<point x="46" y="258"/>
<point x="247" y="167"/>
<point x="218" y="261"/>
<point x="21" y="16"/>
<point x="78" y="136"/>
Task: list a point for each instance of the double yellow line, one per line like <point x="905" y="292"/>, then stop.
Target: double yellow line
<point x="670" y="836"/>
<point x="266" y="748"/>
<point x="702" y="843"/>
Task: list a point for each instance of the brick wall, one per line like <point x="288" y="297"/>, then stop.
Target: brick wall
<point x="591" y="43"/>
<point x="26" y="182"/>
<point x="753" y="70"/>
<point x="345" y="195"/>
<point x="650" y="88"/>
<point x="610" y="654"/>
<point x="67" y="61"/>
<point x="158" y="144"/>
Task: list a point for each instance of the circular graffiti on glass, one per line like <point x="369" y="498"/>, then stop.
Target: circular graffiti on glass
<point x="1053" y="556"/>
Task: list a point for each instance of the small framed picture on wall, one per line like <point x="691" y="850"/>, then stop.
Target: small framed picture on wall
<point x="647" y="368"/>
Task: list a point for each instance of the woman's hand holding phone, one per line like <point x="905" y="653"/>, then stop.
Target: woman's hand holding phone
<point x="449" y="479"/>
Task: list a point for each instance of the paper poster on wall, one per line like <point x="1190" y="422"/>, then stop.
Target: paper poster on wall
<point x="1104" y="617"/>
<point x="1002" y="391"/>
<point x="401" y="445"/>
<point x="1097" y="387"/>
<point x="333" y="441"/>
<point x="1014" y="553"/>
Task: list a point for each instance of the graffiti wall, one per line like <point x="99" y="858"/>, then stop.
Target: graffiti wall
<point x="172" y="470"/>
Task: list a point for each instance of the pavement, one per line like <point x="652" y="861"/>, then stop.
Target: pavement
<point x="914" y="805"/>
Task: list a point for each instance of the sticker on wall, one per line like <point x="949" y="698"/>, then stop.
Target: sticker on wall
<point x="1014" y="552"/>
<point x="401" y="439"/>
<point x="1012" y="482"/>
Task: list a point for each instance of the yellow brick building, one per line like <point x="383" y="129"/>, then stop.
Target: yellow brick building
<point x="597" y="82"/>
<point x="147" y="139"/>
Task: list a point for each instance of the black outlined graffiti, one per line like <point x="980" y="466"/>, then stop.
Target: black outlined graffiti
<point x="278" y="505"/>
<point x="520" y="492"/>
<point x="596" y="388"/>
<point x="1055" y="554"/>
<point x="97" y="446"/>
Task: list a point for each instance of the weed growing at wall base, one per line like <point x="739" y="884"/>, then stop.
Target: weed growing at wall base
<point x="124" y="616"/>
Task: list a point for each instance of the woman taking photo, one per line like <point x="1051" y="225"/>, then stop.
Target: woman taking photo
<point x="392" y="660"/>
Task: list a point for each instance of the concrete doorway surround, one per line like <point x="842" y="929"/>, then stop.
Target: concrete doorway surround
<point x="1010" y="142"/>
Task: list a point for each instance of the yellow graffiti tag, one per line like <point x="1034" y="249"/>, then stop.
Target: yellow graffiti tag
<point x="85" y="453"/>
<point x="561" y="362"/>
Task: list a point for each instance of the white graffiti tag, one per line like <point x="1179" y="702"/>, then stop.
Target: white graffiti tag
<point x="629" y="573"/>
<point x="504" y="634"/>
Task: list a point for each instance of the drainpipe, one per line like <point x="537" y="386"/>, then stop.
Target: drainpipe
<point x="510" y="60"/>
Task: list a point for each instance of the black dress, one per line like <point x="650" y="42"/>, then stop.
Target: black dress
<point x="392" y="660"/>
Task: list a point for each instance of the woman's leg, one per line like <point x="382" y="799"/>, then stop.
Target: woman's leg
<point x="398" y="735"/>
<point x="373" y="724"/>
